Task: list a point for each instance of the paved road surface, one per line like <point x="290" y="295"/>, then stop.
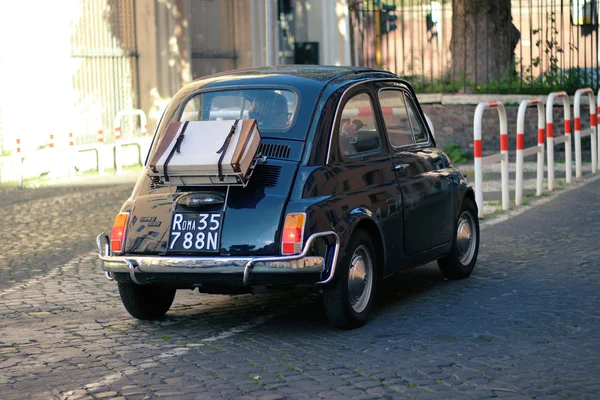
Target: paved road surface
<point x="525" y="325"/>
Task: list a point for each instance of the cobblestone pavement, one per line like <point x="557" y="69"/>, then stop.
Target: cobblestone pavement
<point x="525" y="325"/>
<point x="45" y="228"/>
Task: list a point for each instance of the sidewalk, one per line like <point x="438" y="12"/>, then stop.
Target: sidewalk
<point x="492" y="184"/>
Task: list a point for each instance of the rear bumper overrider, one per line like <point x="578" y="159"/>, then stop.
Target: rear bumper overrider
<point x="136" y="265"/>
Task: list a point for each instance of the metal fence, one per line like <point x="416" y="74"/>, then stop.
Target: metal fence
<point x="105" y="79"/>
<point x="452" y="46"/>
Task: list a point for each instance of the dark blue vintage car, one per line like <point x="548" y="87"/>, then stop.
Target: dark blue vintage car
<point x="351" y="189"/>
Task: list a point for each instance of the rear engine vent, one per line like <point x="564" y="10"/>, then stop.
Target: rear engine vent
<point x="265" y="175"/>
<point x="275" y="150"/>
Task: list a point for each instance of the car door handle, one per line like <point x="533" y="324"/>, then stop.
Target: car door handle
<point x="399" y="167"/>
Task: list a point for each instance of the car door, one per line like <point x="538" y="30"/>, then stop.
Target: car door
<point x="421" y="172"/>
<point x="363" y="169"/>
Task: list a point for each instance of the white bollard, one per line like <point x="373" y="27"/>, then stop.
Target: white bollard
<point x="19" y="164"/>
<point x="598" y="132"/>
<point x="550" y="136"/>
<point x="539" y="149"/>
<point x="72" y="156"/>
<point x="578" y="135"/>
<point x="478" y="153"/>
<point x="119" y="134"/>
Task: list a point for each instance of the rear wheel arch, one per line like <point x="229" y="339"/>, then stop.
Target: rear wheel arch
<point x="369" y="226"/>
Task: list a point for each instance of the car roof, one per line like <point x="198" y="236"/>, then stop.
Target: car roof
<point x="285" y="75"/>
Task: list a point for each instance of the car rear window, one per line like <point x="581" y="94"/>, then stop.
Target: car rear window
<point x="273" y="109"/>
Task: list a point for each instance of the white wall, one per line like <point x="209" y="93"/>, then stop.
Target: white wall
<point x="35" y="71"/>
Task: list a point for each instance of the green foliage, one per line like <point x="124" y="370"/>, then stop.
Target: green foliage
<point x="457" y="156"/>
<point x="5" y="153"/>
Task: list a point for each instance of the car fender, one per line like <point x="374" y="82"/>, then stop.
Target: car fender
<point x="352" y="220"/>
<point x="464" y="190"/>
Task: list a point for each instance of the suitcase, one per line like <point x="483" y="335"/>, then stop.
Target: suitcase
<point x="206" y="152"/>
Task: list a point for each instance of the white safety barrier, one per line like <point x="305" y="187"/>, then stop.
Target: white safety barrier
<point x="598" y="130"/>
<point x="126" y="113"/>
<point x="142" y="146"/>
<point x="566" y="139"/>
<point x="119" y="142"/>
<point x="502" y="156"/>
<point x="97" y="148"/>
<point x="591" y="132"/>
<point x="522" y="152"/>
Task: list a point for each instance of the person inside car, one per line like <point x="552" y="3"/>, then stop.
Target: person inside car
<point x="270" y="110"/>
<point x="349" y="135"/>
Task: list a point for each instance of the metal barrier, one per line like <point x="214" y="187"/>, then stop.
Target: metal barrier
<point x="125" y="113"/>
<point x="98" y="148"/>
<point x="522" y="152"/>
<point x="120" y="143"/>
<point x="598" y="130"/>
<point x="551" y="141"/>
<point x="119" y="151"/>
<point x="502" y="156"/>
<point x="591" y="132"/>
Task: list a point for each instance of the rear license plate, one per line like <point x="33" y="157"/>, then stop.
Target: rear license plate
<point x="196" y="232"/>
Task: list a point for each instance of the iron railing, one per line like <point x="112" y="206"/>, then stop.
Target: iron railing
<point x="556" y="47"/>
<point x="105" y="79"/>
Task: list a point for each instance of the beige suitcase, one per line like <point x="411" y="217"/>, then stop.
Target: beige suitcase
<point x="206" y="152"/>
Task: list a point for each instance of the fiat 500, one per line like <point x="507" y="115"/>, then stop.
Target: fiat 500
<point x="350" y="189"/>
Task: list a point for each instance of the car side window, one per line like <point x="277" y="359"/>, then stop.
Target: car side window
<point x="420" y="134"/>
<point x="396" y="117"/>
<point x="357" y="129"/>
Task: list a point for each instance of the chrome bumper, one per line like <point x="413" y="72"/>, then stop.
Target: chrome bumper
<point x="299" y="263"/>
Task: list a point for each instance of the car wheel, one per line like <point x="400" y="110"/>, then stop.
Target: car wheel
<point x="349" y="298"/>
<point x="146" y="302"/>
<point x="460" y="262"/>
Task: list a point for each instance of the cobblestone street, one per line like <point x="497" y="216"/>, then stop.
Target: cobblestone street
<point x="524" y="325"/>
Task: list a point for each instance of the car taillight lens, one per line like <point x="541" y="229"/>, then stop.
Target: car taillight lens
<point x="118" y="232"/>
<point x="293" y="232"/>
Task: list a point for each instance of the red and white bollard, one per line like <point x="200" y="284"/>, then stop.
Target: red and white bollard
<point x="522" y="152"/>
<point x="100" y="135"/>
<point x="551" y="141"/>
<point x="51" y="143"/>
<point x="578" y="133"/>
<point x="502" y="156"/>
<point x="19" y="163"/>
<point x="73" y="156"/>
<point x="598" y="131"/>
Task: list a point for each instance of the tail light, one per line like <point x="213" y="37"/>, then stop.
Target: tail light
<point x="117" y="236"/>
<point x="293" y="232"/>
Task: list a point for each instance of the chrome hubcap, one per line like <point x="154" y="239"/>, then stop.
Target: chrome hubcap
<point x="466" y="238"/>
<point x="360" y="279"/>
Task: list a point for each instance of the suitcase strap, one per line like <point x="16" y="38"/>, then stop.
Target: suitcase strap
<point x="175" y="148"/>
<point x="223" y="149"/>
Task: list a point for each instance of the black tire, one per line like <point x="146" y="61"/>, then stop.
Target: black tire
<point x="465" y="245"/>
<point x="342" y="306"/>
<point x="146" y="302"/>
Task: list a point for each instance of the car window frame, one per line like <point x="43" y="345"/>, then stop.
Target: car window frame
<point x="412" y="132"/>
<point x="417" y="114"/>
<point x="395" y="85"/>
<point x="185" y="102"/>
<point x="349" y="95"/>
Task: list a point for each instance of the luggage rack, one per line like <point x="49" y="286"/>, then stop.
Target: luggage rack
<point x="159" y="180"/>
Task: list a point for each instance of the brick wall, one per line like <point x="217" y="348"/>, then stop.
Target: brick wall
<point x="455" y="123"/>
